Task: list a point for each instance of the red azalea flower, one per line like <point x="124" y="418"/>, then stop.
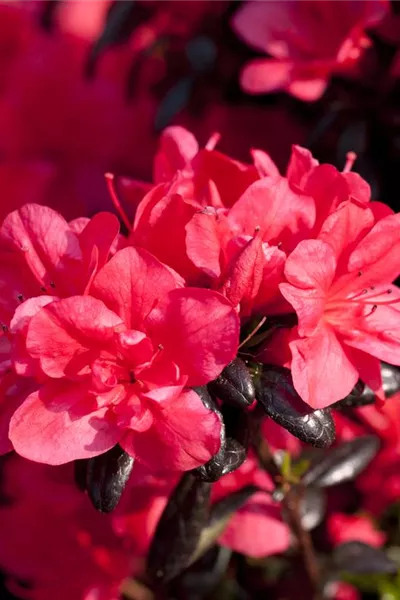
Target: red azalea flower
<point x="56" y="545"/>
<point x="339" y="286"/>
<point x="256" y="529"/>
<point x="344" y="528"/>
<point x="309" y="41"/>
<point x="114" y="365"/>
<point x="42" y="254"/>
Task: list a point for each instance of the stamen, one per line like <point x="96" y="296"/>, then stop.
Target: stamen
<point x="213" y="141"/>
<point x="43" y="289"/>
<point x="252" y="333"/>
<point x="373" y="309"/>
<point x="52" y="284"/>
<point x="351" y="158"/>
<point x="20" y="298"/>
<point x="110" y="181"/>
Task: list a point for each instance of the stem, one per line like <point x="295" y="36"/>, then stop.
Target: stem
<point x="291" y="502"/>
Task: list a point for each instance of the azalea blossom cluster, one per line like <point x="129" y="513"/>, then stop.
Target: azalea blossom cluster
<point x="106" y="335"/>
<point x="199" y="338"/>
<point x="113" y="338"/>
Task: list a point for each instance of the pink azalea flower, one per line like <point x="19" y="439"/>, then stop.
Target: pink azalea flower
<point x="309" y="42"/>
<point x="348" y="313"/>
<point x="116" y="356"/>
<point x="256" y="529"/>
<point x="56" y="545"/>
<point x="344" y="528"/>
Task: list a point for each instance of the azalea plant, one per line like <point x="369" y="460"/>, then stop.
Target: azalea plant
<point x="200" y="327"/>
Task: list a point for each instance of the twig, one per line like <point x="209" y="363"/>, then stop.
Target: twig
<point x="291" y="502"/>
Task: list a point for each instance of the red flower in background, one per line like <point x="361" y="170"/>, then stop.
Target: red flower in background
<point x="344" y="528"/>
<point x="309" y="42"/>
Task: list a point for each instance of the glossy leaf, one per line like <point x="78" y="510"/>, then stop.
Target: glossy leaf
<point x="357" y="557"/>
<point x="220" y="514"/>
<point x="179" y="529"/>
<point x="390" y="379"/>
<point x="312" y="508"/>
<point x="232" y="452"/>
<point x="342" y="463"/>
<point x="235" y="384"/>
<point x="281" y="402"/>
<point x="360" y="395"/>
<point x="106" y="478"/>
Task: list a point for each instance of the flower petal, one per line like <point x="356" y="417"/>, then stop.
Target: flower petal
<point x="282" y="214"/>
<point x="44" y="239"/>
<point x="177" y="147"/>
<point x="310" y="270"/>
<point x="203" y="243"/>
<point x="300" y="164"/>
<point x="199" y="330"/>
<point x="66" y="334"/>
<point x="184" y="436"/>
<point x="322" y="373"/>
<point x="378" y="254"/>
<point x="263" y="75"/>
<point x="257" y="529"/>
<point x="59" y="423"/>
<point x="131" y="284"/>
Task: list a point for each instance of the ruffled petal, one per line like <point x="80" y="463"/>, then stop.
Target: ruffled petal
<point x="184" y="434"/>
<point x="131" y="284"/>
<point x="59" y="423"/>
<point x="199" y="330"/>
<point x="68" y="334"/>
<point x="322" y="373"/>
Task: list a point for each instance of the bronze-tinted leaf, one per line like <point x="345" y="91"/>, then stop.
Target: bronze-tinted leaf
<point x="362" y="395"/>
<point x="234" y="385"/>
<point x="233" y="450"/>
<point x="359" y="558"/>
<point x="343" y="463"/>
<point x="390" y="379"/>
<point x="106" y="478"/>
<point x="179" y="529"/>
<point x="312" y="508"/>
<point x="281" y="402"/>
